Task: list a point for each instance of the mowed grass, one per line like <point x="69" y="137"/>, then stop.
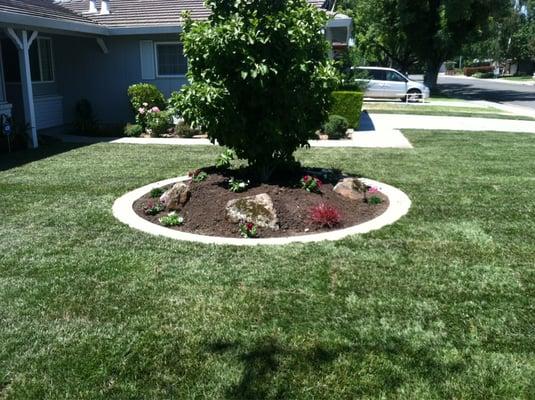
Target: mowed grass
<point x="442" y="111"/>
<point x="439" y="305"/>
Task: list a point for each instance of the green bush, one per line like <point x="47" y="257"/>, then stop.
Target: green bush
<point x="140" y="93"/>
<point x="186" y="131"/>
<point x="133" y="130"/>
<point x="260" y="78"/>
<point x="158" y="123"/>
<point x="336" y="127"/>
<point x="144" y="97"/>
<point x="348" y="104"/>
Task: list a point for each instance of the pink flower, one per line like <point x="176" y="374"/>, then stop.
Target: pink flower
<point x="306" y="178"/>
<point x="373" y="189"/>
<point x="250" y="226"/>
<point x="141" y="110"/>
<point x="155" y="109"/>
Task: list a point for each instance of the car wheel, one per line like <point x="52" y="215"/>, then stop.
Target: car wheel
<point x="413" y="95"/>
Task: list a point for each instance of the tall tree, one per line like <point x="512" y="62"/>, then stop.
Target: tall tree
<point x="429" y="30"/>
<point x="437" y="29"/>
<point x="378" y="33"/>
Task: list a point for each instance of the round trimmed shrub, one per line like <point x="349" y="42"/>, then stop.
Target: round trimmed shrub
<point x="140" y="93"/>
<point x="336" y="127"/>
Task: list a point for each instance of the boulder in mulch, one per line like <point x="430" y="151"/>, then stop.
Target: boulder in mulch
<point x="351" y="188"/>
<point x="256" y="209"/>
<point x="176" y="197"/>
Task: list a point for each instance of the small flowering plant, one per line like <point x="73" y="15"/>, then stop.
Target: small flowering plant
<point x="373" y="196"/>
<point x="141" y="116"/>
<point x="153" y="207"/>
<point x="171" y="219"/>
<point x="311" y="184"/>
<point x="248" y="230"/>
<point x="325" y="215"/>
<point x="237" y="186"/>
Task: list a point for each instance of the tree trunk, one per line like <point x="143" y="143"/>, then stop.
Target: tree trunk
<point x="431" y="73"/>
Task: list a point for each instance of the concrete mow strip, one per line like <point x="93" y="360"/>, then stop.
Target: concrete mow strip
<point x="399" y="205"/>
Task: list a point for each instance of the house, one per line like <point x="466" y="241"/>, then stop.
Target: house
<point x="56" y="52"/>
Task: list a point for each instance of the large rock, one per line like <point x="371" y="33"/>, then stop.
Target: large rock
<point x="352" y="188"/>
<point x="176" y="197"/>
<point x="256" y="209"/>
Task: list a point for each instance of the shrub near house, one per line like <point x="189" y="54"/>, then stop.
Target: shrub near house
<point x="348" y="104"/>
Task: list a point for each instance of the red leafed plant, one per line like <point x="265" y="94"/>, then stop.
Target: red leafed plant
<point x="325" y="215"/>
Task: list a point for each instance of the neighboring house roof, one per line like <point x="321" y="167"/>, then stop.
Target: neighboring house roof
<point x="124" y="13"/>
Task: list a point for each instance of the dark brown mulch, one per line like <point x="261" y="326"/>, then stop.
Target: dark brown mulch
<point x="205" y="212"/>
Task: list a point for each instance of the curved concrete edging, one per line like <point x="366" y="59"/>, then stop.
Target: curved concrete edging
<point x="124" y="212"/>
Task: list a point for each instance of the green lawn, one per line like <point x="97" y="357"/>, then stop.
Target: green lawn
<point x="439" y="305"/>
<point x="525" y="78"/>
<point x="443" y="111"/>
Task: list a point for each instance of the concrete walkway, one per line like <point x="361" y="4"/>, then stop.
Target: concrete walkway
<point x="376" y="130"/>
<point x="388" y="138"/>
<point x="386" y="122"/>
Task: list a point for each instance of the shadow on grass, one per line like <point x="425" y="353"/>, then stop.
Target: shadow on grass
<point x="273" y="371"/>
<point x="22" y="157"/>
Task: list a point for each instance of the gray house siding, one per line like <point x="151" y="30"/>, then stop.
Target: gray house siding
<point x="83" y="70"/>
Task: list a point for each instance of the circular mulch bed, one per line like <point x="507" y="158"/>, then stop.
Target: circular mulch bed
<point x="205" y="212"/>
<point x="205" y="217"/>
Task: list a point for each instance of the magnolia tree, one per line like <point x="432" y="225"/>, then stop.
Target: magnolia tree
<point x="260" y="78"/>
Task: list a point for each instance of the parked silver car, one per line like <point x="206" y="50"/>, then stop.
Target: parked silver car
<point x="389" y="83"/>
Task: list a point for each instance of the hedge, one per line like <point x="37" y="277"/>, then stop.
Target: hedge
<point x="469" y="71"/>
<point x="348" y="104"/>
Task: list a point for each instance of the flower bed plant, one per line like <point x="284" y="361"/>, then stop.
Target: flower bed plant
<point x="298" y="211"/>
<point x="311" y="184"/>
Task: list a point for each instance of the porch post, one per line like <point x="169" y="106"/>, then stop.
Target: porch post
<point x="23" y="44"/>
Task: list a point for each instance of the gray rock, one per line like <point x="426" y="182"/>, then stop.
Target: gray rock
<point x="256" y="209"/>
<point x="176" y="197"/>
<point x="352" y="188"/>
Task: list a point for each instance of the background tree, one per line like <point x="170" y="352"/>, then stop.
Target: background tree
<point x="379" y="37"/>
<point x="430" y="31"/>
<point x="510" y="36"/>
<point x="437" y="29"/>
<point x="260" y="78"/>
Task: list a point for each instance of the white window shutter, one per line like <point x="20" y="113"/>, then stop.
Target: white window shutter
<point x="147" y="59"/>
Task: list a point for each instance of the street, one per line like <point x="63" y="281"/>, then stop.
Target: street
<point x="489" y="90"/>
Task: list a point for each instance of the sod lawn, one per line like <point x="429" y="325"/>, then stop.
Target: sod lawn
<point x="439" y="305"/>
<point x="442" y="111"/>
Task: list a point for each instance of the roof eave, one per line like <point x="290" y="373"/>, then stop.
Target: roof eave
<point x="33" y="22"/>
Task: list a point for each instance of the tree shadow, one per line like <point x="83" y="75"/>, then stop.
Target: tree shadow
<point x="271" y="370"/>
<point x="470" y="92"/>
<point x="46" y="150"/>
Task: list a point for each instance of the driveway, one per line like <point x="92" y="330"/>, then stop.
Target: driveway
<point x="489" y="90"/>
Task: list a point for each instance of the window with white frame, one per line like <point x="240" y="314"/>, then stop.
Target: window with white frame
<point x="41" y="60"/>
<point x="170" y="60"/>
